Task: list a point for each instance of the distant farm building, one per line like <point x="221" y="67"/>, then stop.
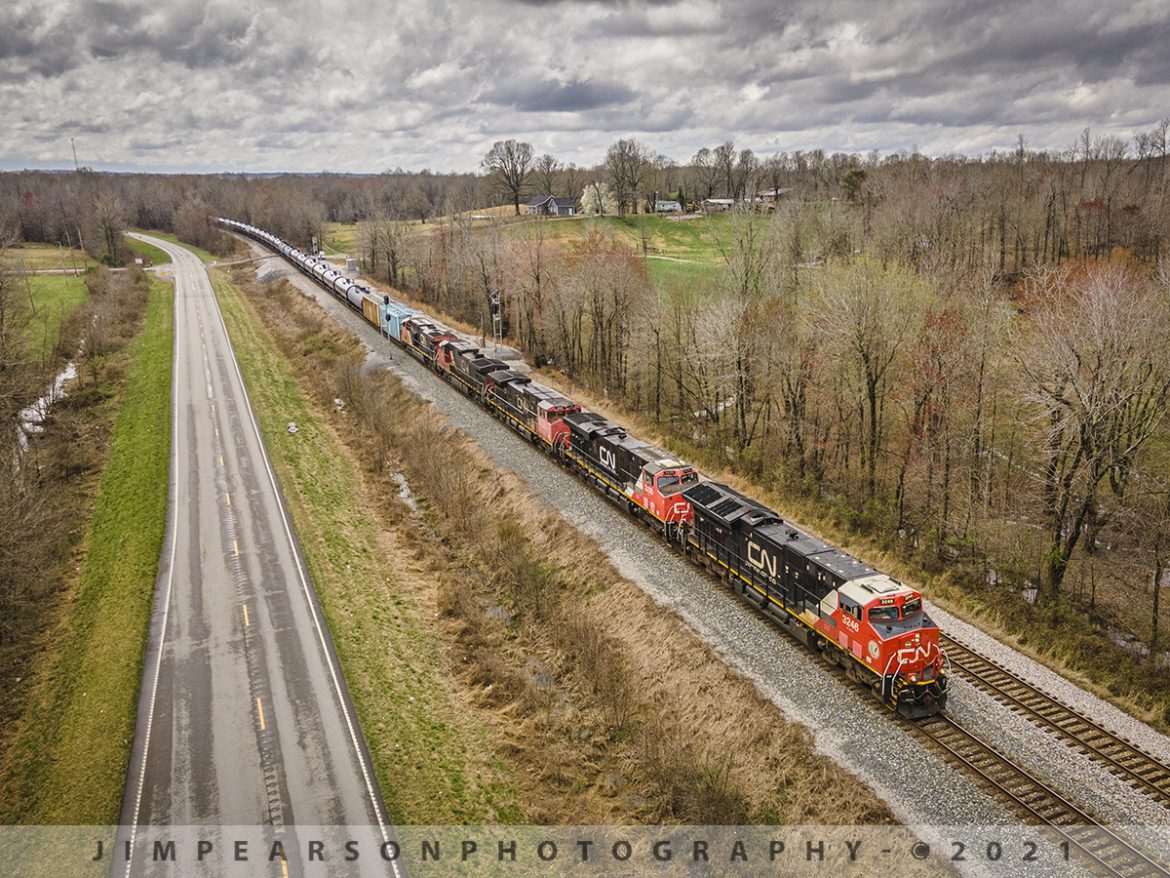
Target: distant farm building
<point x="550" y="206"/>
<point x="714" y="205"/>
<point x="667" y="207"/>
<point x="769" y="198"/>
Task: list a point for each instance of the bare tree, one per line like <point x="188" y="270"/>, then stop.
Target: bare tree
<point x="626" y="163"/>
<point x="865" y="316"/>
<point x="724" y="159"/>
<point x="547" y="170"/>
<point x="573" y="182"/>
<point x="509" y="162"/>
<point x="1098" y="370"/>
<point x="747" y="166"/>
<point x="706" y="172"/>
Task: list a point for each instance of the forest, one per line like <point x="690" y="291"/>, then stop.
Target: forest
<point x="965" y="358"/>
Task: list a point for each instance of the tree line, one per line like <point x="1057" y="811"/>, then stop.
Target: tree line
<point x="966" y="357"/>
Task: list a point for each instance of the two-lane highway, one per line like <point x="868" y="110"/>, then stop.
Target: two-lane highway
<point x="244" y="718"/>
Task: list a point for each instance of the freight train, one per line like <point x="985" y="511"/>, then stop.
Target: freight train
<point x="868" y="623"/>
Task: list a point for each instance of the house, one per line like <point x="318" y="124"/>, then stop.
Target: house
<point x="767" y="199"/>
<point x="550" y="206"/>
<point x="711" y="205"/>
<point x="667" y="207"/>
<point x="771" y="194"/>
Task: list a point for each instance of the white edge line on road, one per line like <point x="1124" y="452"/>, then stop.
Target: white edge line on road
<point x="304" y="582"/>
<point x="174" y="498"/>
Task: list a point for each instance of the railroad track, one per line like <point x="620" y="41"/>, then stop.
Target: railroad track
<point x="1119" y="756"/>
<point x="1099" y="844"/>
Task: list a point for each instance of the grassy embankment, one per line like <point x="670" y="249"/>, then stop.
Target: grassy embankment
<point x="68" y="756"/>
<point x="433" y="760"/>
<point x="150" y="254"/>
<point x="599" y="705"/>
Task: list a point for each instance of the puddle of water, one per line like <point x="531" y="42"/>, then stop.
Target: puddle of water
<point x="32" y="418"/>
<point x="404" y="491"/>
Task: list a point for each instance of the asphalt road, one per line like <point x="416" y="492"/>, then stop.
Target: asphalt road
<point x="244" y="719"/>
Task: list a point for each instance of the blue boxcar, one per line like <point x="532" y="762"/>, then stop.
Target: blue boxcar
<point x="393" y="315"/>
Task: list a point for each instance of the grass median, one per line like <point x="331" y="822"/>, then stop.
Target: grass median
<point x="67" y="762"/>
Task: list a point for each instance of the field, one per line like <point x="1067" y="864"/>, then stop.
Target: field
<point x="55" y="297"/>
<point x="33" y="257"/>
<point x="694" y="239"/>
<point x="68" y="761"/>
<point x="340" y="238"/>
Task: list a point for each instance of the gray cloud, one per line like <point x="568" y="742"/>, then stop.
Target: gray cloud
<point x="549" y="96"/>
<point x="355" y="86"/>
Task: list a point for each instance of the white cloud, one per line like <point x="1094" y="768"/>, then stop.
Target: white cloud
<point x="359" y="86"/>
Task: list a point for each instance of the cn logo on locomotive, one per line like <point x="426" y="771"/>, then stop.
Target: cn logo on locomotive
<point x="911" y="655"/>
<point x="608" y="459"/>
<point x="759" y="558"/>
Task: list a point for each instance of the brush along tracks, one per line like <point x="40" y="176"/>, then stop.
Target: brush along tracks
<point x="1138" y="768"/>
<point x="1099" y="844"/>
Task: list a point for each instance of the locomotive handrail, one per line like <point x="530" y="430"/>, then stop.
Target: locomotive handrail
<point x="888" y="678"/>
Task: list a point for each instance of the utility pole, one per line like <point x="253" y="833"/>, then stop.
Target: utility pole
<point x="76" y="166"/>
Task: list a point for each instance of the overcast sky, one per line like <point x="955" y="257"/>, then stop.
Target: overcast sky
<point x="364" y="86"/>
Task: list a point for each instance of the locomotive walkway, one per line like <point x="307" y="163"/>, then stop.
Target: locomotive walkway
<point x="244" y="719"/>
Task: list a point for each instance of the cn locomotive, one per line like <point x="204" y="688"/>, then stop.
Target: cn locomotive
<point x="868" y="623"/>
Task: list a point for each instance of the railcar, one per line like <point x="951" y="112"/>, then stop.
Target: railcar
<point x="850" y="613"/>
<point x="648" y="478"/>
<point x="868" y="623"/>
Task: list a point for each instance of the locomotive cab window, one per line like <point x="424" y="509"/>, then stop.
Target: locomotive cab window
<point x="911" y="607"/>
<point x="668" y="484"/>
<point x="883" y="614"/>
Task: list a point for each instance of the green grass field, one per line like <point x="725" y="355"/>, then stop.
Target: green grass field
<point x="55" y="297"/>
<point x="151" y="255"/>
<point x="696" y="239"/>
<point x="667" y="272"/>
<point x="427" y="752"/>
<point x="340" y="238"/>
<point x="69" y="759"/>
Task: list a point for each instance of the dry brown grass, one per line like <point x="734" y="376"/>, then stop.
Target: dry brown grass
<point x="609" y="708"/>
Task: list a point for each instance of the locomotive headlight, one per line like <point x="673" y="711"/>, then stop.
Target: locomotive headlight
<point x="914" y="677"/>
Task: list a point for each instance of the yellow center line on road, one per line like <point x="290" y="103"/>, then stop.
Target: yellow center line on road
<point x="221" y="460"/>
<point x="228" y="495"/>
<point x="217" y="432"/>
<point x="260" y="712"/>
<point x="236" y="547"/>
<point x="283" y="868"/>
<point x="247" y="623"/>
